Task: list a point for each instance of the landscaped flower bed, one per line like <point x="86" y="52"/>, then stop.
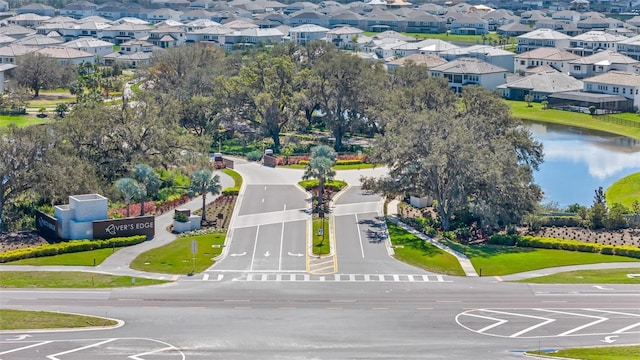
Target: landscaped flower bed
<point x="219" y="212"/>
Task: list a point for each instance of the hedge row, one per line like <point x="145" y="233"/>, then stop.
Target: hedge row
<point x="335" y="185"/>
<point x="561" y="244"/>
<point x="69" y="247"/>
<point x="338" y="162"/>
<point x="234" y="190"/>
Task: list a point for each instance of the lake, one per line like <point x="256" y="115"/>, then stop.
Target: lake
<point x="578" y="161"/>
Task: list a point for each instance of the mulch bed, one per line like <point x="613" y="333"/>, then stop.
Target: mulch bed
<point x="19" y="240"/>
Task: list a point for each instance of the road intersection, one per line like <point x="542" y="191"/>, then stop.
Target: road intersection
<point x="267" y="297"/>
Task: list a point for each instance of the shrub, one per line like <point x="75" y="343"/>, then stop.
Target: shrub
<point x="68" y="247"/>
<point x="497" y="239"/>
<point x="181" y="217"/>
<point x="569" y="221"/>
<point x="607" y="250"/>
<point x="629" y="251"/>
<point x="303" y="162"/>
<point x="349" y="162"/>
<point x="255" y="155"/>
<point x="231" y="191"/>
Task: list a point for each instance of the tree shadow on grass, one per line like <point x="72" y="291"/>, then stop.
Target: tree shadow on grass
<point x="486" y="251"/>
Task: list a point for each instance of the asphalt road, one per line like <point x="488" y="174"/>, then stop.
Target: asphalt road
<point x="265" y="299"/>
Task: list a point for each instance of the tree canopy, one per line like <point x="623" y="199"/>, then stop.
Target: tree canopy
<point x="471" y="159"/>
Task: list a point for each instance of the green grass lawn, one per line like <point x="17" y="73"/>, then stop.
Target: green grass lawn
<point x="83" y="258"/>
<point x="176" y="257"/>
<point x="22" y="320"/>
<point x="68" y="279"/>
<point x="520" y="110"/>
<point x="470" y="39"/>
<point x="20" y="121"/>
<point x="414" y="251"/>
<point x="502" y="260"/>
<point x="624" y="191"/>
<point x="604" y="276"/>
<point x="597" y="353"/>
<point x="237" y="178"/>
<point x="321" y="244"/>
<point x="49" y="103"/>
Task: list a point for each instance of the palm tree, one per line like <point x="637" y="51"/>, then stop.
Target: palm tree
<point x="322" y="159"/>
<point x="130" y="190"/>
<point x="146" y="176"/>
<point x="202" y="182"/>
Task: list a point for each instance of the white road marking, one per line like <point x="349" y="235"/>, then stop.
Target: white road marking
<point x="292" y="254"/>
<point x="55" y="356"/>
<point x="498" y="322"/>
<point x="137" y="356"/>
<point x="205" y="277"/>
<point x="255" y="246"/>
<point x="576" y="329"/>
<point x="267" y="254"/>
<point x="19" y="337"/>
<point x="609" y="339"/>
<point x="602" y="288"/>
<point x="514" y="335"/>
<point x="240" y="254"/>
<point x="25" y="347"/>
<point x="281" y="243"/>
<point x="359" y="236"/>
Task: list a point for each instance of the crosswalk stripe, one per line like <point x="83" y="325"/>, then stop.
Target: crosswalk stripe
<point x="280" y="277"/>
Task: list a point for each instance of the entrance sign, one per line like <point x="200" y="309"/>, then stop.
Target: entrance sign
<point x="143" y="225"/>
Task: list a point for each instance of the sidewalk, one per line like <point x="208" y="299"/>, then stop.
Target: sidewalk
<point x="118" y="263"/>
<point x="555" y="270"/>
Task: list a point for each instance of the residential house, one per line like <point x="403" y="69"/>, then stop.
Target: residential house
<point x="383" y="48"/>
<point x="593" y="41"/>
<point x="86" y="29"/>
<point x="299" y="5"/>
<point x="600" y="63"/>
<point x="170" y="4"/>
<point x="9" y="53"/>
<point x="541" y="38"/>
<point x="201" y="4"/>
<point x="97" y="47"/>
<point x="160" y="15"/>
<point x="539" y="85"/>
<point x="379" y="20"/>
<point x="252" y="37"/>
<point x="531" y="17"/>
<point x="197" y="14"/>
<point x="3" y="69"/>
<point x="435" y="46"/>
<point x="132" y="54"/>
<point x="79" y="9"/>
<point x="470" y="26"/>
<point x="559" y="59"/>
<point x="308" y="17"/>
<point x="113" y="12"/>
<point x="66" y="56"/>
<point x="240" y="25"/>
<point x="4" y="6"/>
<point x="126" y="31"/>
<point x="468" y="71"/>
<point x="629" y="47"/>
<point x="486" y="53"/>
<point x="626" y="84"/>
<point x="499" y="18"/>
<point x="6" y="40"/>
<point x="16" y="31"/>
<point x="635" y="21"/>
<point x="38" y="41"/>
<point x="304" y="34"/>
<point x="199" y="24"/>
<point x="421" y="22"/>
<point x="212" y="33"/>
<point x="27" y="20"/>
<point x="598" y="23"/>
<point x="513" y="29"/>
<point x="168" y="36"/>
<point x="344" y="37"/>
<point x="433" y="9"/>
<point x="567" y="16"/>
<point x="427" y="60"/>
<point x="37" y="8"/>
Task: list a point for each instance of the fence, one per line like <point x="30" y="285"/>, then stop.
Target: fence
<point x="618" y="120"/>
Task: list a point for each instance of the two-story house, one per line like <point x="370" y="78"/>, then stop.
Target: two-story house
<point x="16" y="31"/>
<point x="470" y="25"/>
<point x="125" y="31"/>
<point x="542" y="38"/>
<point x="420" y="22"/>
<point x="427" y="60"/>
<point x="308" y="17"/>
<point x="27" y="20"/>
<point x="210" y="34"/>
<point x="304" y="34"/>
<point x="344" y="37"/>
<point x="600" y="63"/>
<point x="486" y="53"/>
<point x="630" y="47"/>
<point x="97" y="47"/>
<point x="79" y="9"/>
<point x="539" y="85"/>
<point x="559" y="59"/>
<point x="37" y="8"/>
<point x="467" y="71"/>
<point x="566" y="16"/>
<point x="593" y="41"/>
<point x="160" y="15"/>
<point x="626" y="84"/>
<point x="168" y="36"/>
<point x="66" y="56"/>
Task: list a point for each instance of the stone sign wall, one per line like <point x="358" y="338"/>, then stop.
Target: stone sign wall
<point x="47" y="226"/>
<point x="142" y="225"/>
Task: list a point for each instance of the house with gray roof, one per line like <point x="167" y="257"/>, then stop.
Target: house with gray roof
<point x="16" y="31"/>
<point x="251" y="37"/>
<point x="559" y="59"/>
<point x="468" y="71"/>
<point x="499" y="18"/>
<point x="160" y="15"/>
<point x="348" y="18"/>
<point x="197" y="14"/>
<point x="113" y="12"/>
<point x="598" y="23"/>
<point x="201" y="4"/>
<point x="343" y="37"/>
<point x="79" y="9"/>
<point x="435" y="46"/>
<point x="117" y="34"/>
<point x="514" y="29"/>
<point x="97" y="47"/>
<point x="419" y="22"/>
<point x="38" y="41"/>
<point x="168" y="36"/>
<point x="304" y="34"/>
<point x="209" y="34"/>
<point x="629" y="47"/>
<point x="9" y="53"/>
<point x="308" y="17"/>
<point x="39" y="9"/>
<point x="433" y="9"/>
<point x="625" y="84"/>
<point x="593" y="41"/>
<point x="470" y="25"/>
<point x="66" y="55"/>
<point x="379" y="20"/>
<point x="539" y="85"/>
<point x="427" y="60"/>
<point x="542" y="38"/>
<point x="600" y="63"/>
<point x="27" y="20"/>
<point x="486" y="53"/>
